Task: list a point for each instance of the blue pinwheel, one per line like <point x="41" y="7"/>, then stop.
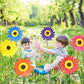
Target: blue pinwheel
<point x="14" y="33"/>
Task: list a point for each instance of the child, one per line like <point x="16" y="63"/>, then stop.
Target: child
<point x="61" y="42"/>
<point x="27" y="51"/>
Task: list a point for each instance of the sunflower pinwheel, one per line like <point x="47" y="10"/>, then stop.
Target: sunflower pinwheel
<point x="47" y="33"/>
<point x="8" y="48"/>
<point x="69" y="65"/>
<point x="14" y="33"/>
<point x="23" y="67"/>
<point x="78" y="42"/>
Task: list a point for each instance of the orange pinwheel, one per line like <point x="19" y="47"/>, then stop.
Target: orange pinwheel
<point x="69" y="65"/>
<point x="23" y="67"/>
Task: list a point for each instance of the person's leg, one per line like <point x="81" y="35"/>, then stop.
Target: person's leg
<point x="56" y="61"/>
<point x="47" y="67"/>
<point x="57" y="67"/>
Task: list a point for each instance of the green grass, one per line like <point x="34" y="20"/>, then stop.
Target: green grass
<point x="8" y="75"/>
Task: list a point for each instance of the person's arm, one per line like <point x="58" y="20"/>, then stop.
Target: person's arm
<point x="35" y="51"/>
<point x="32" y="54"/>
<point x="56" y="61"/>
<point x="39" y="56"/>
<point x="48" y="51"/>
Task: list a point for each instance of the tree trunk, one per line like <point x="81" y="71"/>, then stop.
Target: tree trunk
<point x="73" y="21"/>
<point x="4" y="22"/>
<point x="65" y="19"/>
<point x="59" y="21"/>
<point x="2" y="16"/>
<point x="10" y="23"/>
<point x="81" y="14"/>
<point x="51" y="21"/>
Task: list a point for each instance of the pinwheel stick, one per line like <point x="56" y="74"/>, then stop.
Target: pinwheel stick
<point x="69" y="78"/>
<point x="11" y="60"/>
<point x="11" y="65"/>
<point x="23" y="80"/>
<point x="78" y="54"/>
<point x="47" y="44"/>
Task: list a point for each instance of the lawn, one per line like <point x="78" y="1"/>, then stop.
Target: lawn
<point x="8" y="75"/>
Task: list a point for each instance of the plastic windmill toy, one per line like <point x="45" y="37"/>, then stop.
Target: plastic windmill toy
<point x="69" y="64"/>
<point x="78" y="42"/>
<point x="8" y="48"/>
<point x="47" y="33"/>
<point x="23" y="67"/>
<point x="14" y="33"/>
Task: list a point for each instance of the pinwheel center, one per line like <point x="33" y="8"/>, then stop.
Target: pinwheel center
<point x="68" y="64"/>
<point x="23" y="66"/>
<point x="8" y="47"/>
<point x="15" y="33"/>
<point x="79" y="42"/>
<point x="47" y="33"/>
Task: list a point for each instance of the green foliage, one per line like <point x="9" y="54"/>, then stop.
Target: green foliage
<point x="32" y="22"/>
<point x="13" y="10"/>
<point x="36" y="14"/>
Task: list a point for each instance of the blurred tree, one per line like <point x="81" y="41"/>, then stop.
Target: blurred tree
<point x="12" y="11"/>
<point x="54" y="13"/>
<point x="68" y="7"/>
<point x="39" y="15"/>
<point x="43" y="15"/>
<point x="34" y="9"/>
<point x="64" y="10"/>
<point x="33" y="13"/>
<point x="81" y="13"/>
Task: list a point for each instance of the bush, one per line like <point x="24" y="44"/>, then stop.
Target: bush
<point x="32" y="22"/>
